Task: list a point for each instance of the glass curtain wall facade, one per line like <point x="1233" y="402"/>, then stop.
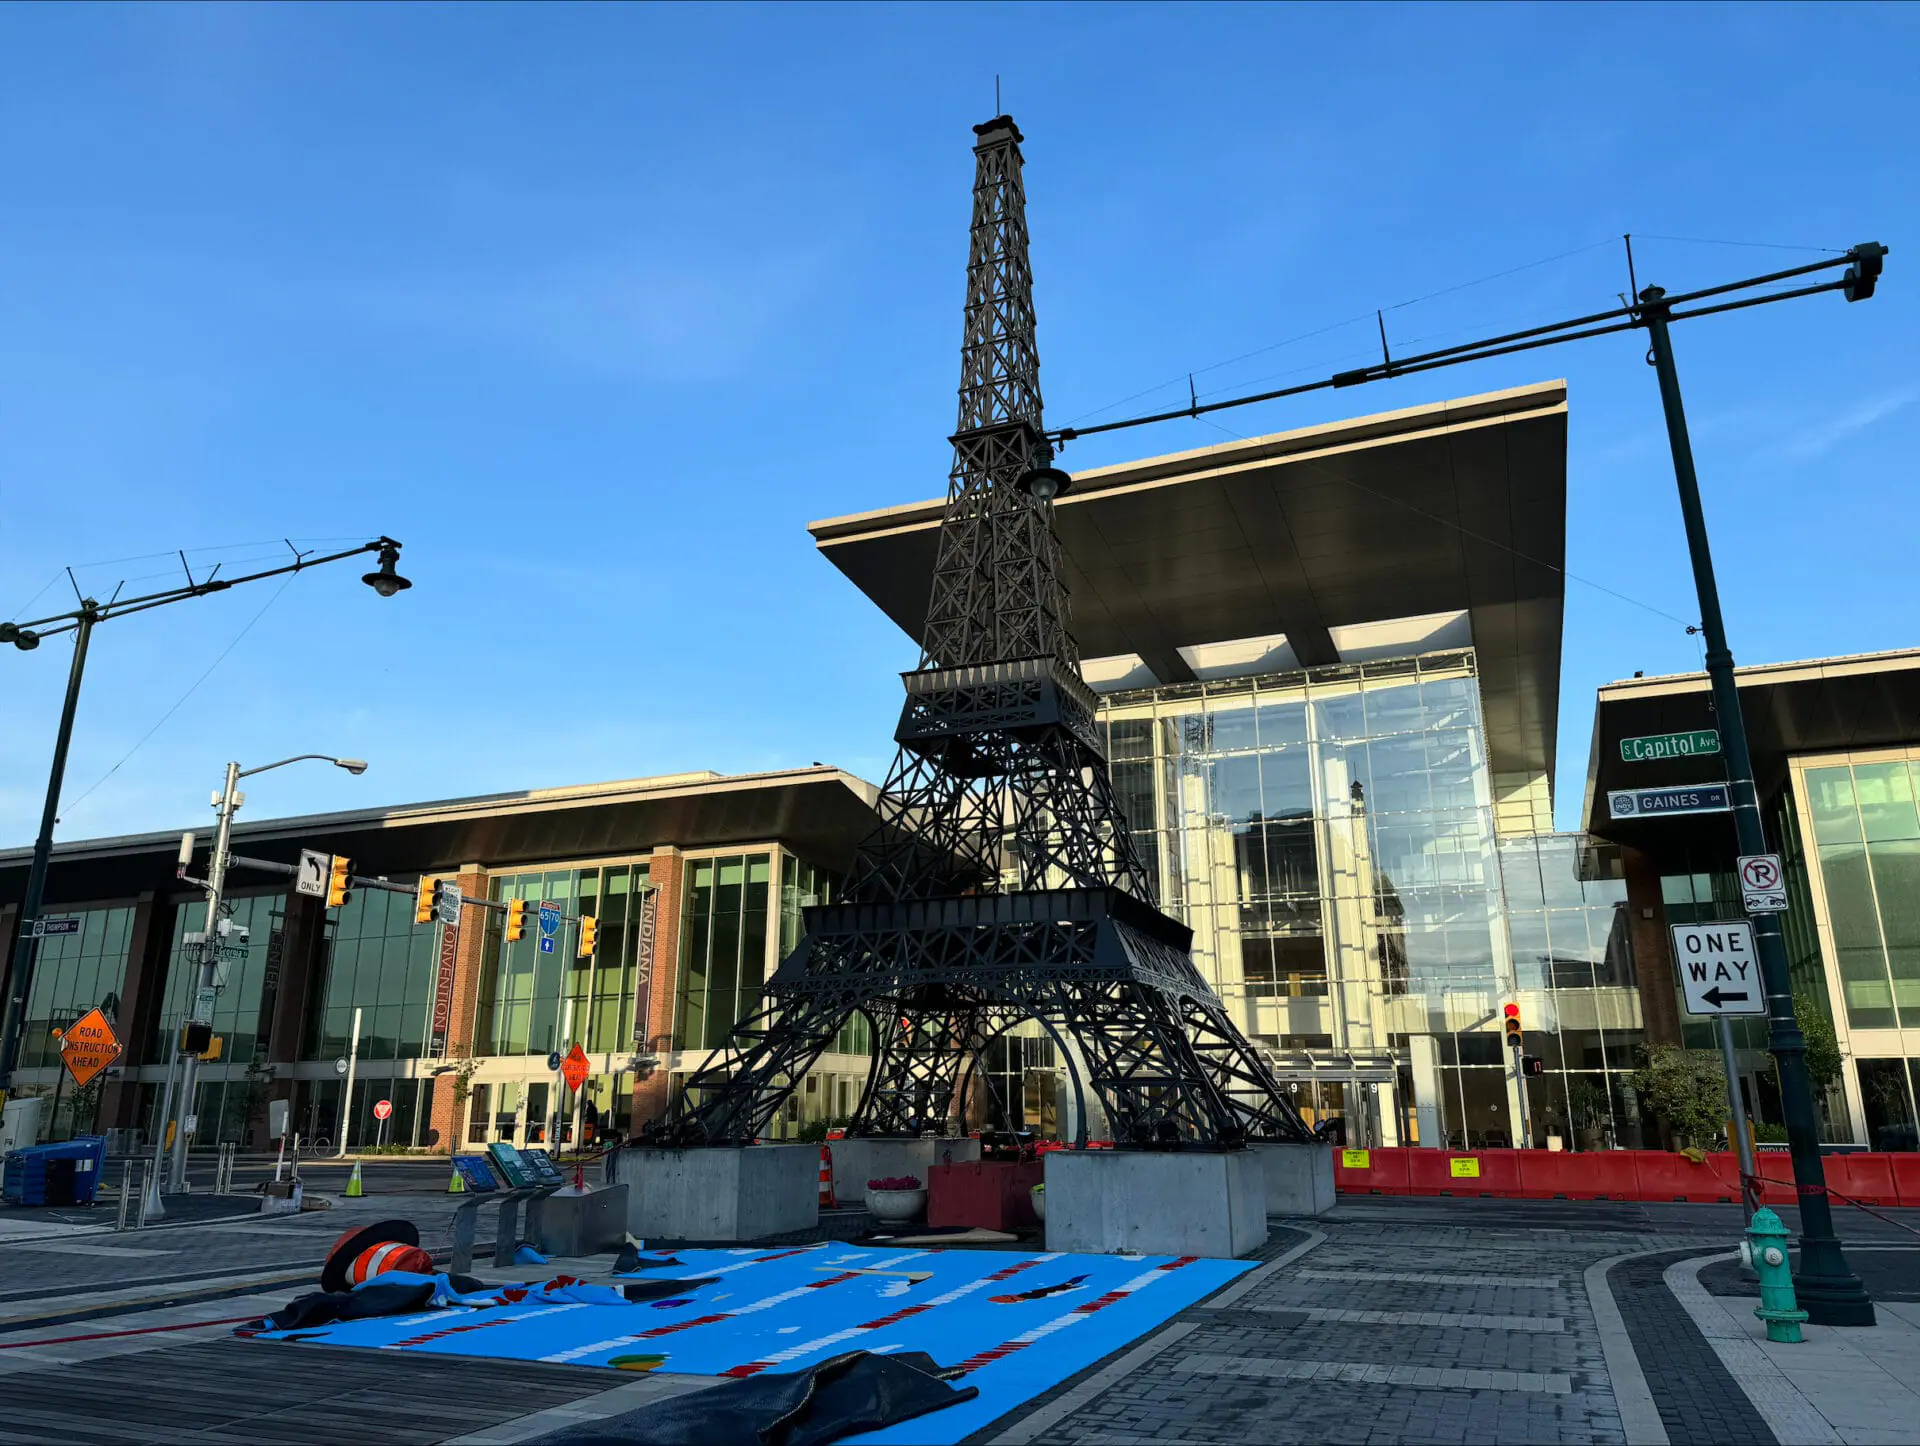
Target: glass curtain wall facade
<point x="538" y="1004"/>
<point x="73" y="974"/>
<point x="228" y="1105"/>
<point x="1328" y="835"/>
<point x="1579" y="996"/>
<point x="374" y="958"/>
<point x="1858" y="838"/>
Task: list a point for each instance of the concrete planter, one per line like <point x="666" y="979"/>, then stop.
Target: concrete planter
<point x="896" y="1207"/>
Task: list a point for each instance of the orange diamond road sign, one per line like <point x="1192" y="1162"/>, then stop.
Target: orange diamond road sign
<point x="89" y="1047"/>
<point x="575" y="1070"/>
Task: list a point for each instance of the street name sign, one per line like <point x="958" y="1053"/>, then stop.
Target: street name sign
<point x="1763" y="884"/>
<point x="1679" y="798"/>
<point x="314" y="874"/>
<point x="89" y="1047"/>
<point x="1719" y="972"/>
<point x="1656" y="746"/>
<point x="54" y="928"/>
<point x="448" y="910"/>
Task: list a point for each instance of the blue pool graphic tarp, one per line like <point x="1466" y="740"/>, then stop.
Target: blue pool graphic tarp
<point x="1017" y="1323"/>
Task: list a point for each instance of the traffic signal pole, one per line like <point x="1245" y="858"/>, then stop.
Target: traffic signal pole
<point x="203" y="976"/>
<point x="1827" y="1289"/>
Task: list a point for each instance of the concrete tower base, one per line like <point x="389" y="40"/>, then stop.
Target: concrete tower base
<point x="1103" y="1201"/>
<point x="1299" y="1177"/>
<point x="722" y="1193"/>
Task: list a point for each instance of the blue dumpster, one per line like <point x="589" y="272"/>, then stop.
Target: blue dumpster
<point x="64" y="1174"/>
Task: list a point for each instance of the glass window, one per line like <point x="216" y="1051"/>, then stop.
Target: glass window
<point x="1885" y="795"/>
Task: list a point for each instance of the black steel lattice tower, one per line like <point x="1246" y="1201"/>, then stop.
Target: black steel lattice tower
<point x="1001" y="883"/>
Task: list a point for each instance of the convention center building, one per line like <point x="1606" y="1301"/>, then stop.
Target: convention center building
<point x="1328" y="667"/>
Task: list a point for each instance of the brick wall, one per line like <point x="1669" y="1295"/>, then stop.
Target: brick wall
<point x="449" y="1127"/>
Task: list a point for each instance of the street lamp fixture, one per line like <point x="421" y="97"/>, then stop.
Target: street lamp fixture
<point x="1044" y="482"/>
<point x="386" y="581"/>
<point x="25" y="639"/>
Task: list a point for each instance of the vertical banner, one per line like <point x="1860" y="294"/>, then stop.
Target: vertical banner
<point x="643" y="967"/>
<point x="269" y="990"/>
<point x="443" y="991"/>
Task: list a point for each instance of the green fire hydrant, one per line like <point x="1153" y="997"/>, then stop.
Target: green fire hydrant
<point x="1765" y="1249"/>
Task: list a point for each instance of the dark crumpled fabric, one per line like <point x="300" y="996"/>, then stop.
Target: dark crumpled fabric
<point x="323" y="1308"/>
<point x="858" y="1391"/>
<point x="630" y="1260"/>
<point x="659" y="1289"/>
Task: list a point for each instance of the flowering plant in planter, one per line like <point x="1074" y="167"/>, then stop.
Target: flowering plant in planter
<point x="895" y="1182"/>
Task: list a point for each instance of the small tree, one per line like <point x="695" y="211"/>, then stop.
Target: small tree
<point x="1823" y="1045"/>
<point x="1688" y="1089"/>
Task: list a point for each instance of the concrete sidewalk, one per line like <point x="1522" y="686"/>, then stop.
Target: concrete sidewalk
<point x="1858" y="1386"/>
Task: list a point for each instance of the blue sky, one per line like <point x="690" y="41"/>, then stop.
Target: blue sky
<point x="596" y="307"/>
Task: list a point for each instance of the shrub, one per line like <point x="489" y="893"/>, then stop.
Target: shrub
<point x="895" y="1182"/>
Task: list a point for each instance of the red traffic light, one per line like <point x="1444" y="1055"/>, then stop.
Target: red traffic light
<point x="1513" y="1011"/>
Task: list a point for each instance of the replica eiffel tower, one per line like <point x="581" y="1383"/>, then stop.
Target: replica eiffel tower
<point x="1001" y="775"/>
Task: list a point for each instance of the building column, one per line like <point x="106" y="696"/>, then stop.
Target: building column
<point x="469" y="957"/>
<point x="652" y="1094"/>
<point x="1652" y="953"/>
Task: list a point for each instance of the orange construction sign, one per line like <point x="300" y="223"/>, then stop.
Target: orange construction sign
<point x="574" y="1069"/>
<point x="89" y="1047"/>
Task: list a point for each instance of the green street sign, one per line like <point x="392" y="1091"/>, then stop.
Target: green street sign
<point x="1669" y="745"/>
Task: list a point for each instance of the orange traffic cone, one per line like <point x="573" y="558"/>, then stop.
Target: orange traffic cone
<point x="827" y="1201"/>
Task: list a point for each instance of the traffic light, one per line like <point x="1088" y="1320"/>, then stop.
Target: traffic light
<point x="1532" y="1064"/>
<point x="1513" y="1025"/>
<point x="589" y="927"/>
<point x="196" y="1037"/>
<point x="1868" y="258"/>
<point x="339" y="882"/>
<point x="426" y="898"/>
<point x="516" y="919"/>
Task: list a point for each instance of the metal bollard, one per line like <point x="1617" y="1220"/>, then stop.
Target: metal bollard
<point x="1765" y="1249"/>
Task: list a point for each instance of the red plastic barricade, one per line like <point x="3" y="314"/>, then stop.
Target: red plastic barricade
<point x="1384" y="1172"/>
<point x="1867" y="1178"/>
<point x="1906" y="1177"/>
<point x="1499" y="1176"/>
<point x="1588" y="1175"/>
<point x="1445" y="1172"/>
<point x="1675" y="1177"/>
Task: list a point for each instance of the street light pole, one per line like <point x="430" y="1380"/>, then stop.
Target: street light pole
<point x="384" y="580"/>
<point x="228" y="802"/>
<point x="1826" y="1288"/>
<point x="27" y="947"/>
<point x="203" y="976"/>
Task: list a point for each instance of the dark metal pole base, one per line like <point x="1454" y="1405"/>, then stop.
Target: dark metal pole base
<point x="1833" y="1300"/>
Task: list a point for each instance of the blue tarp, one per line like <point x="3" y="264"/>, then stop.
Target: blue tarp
<point x="1018" y="1323"/>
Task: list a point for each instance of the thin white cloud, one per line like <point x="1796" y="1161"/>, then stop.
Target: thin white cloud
<point x="1825" y="435"/>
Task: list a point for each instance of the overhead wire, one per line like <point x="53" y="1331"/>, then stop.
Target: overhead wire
<point x="1337" y="325"/>
<point x="181" y="701"/>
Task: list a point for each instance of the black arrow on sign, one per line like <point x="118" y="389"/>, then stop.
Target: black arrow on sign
<point x="1717" y="997"/>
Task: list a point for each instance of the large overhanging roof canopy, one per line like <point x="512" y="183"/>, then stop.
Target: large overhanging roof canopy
<point x="1455" y="508"/>
<point x="1827" y="705"/>
<point x="821" y="813"/>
